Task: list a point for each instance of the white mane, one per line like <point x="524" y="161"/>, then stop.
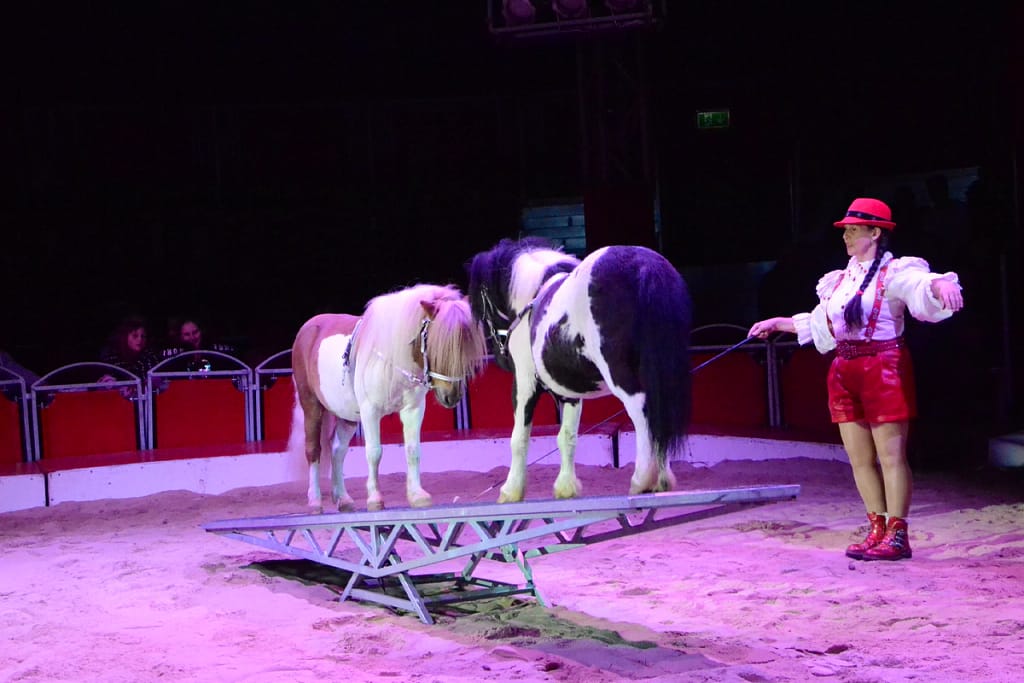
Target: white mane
<point x="528" y="275"/>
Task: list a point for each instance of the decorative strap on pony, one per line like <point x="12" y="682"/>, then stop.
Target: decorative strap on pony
<point x="351" y="342"/>
<point x="499" y="337"/>
<point x="519" y="318"/>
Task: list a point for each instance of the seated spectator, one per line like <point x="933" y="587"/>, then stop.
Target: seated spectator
<point x="184" y="335"/>
<point x="128" y="348"/>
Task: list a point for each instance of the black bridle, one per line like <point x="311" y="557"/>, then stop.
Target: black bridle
<point x="497" y="334"/>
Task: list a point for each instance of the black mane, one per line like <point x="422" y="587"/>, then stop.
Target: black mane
<point x="493" y="270"/>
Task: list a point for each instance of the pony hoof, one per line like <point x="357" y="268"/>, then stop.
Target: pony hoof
<point x="374" y="505"/>
<point x="570" y="489"/>
<point x="422" y="501"/>
<point x="509" y="498"/>
<point x="346" y="505"/>
<point x="643" y="484"/>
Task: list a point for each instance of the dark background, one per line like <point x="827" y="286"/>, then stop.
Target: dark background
<point x="254" y="163"/>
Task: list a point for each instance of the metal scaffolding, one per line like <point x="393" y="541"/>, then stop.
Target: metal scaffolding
<point x="382" y="550"/>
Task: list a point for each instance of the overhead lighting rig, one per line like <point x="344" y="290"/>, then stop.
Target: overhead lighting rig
<point x="522" y="19"/>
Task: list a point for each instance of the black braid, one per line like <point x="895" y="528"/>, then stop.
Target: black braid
<point x="853" y="314"/>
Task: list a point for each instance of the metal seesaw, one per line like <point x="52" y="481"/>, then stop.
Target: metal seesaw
<point x="504" y="532"/>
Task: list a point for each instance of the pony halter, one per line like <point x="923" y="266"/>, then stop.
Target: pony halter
<point x="429" y="374"/>
<point x="499" y="336"/>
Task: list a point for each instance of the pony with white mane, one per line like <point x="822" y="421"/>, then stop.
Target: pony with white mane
<point x="616" y="323"/>
<point x="350" y="371"/>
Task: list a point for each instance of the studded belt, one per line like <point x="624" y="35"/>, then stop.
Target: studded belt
<point x="854" y="349"/>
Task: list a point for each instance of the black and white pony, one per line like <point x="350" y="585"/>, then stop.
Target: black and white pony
<point x="617" y="322"/>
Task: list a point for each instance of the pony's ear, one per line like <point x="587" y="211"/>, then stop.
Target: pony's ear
<point x="430" y="307"/>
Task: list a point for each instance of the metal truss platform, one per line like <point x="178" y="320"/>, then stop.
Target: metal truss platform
<point x="381" y="550"/>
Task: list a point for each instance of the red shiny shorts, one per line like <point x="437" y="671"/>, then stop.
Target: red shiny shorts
<point x="875" y="387"/>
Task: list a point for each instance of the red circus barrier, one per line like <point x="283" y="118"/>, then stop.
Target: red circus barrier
<point x="490" y="401"/>
<point x="217" y="407"/>
<point x="437" y="418"/>
<point x="76" y="414"/>
<point x="804" y="390"/>
<point x="597" y="410"/>
<point x="199" y="412"/>
<point x="277" y="400"/>
<point x="199" y="398"/>
<point x="10" y="431"/>
<point x="730" y="392"/>
<point x="87" y="423"/>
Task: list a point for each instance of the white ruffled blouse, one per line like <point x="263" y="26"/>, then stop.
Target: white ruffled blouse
<point x="907" y="288"/>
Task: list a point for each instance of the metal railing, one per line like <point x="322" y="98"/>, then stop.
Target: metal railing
<point x="720" y="339"/>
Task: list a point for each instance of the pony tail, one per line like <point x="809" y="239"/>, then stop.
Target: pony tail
<point x="297" y="466"/>
<point x="853" y="313"/>
<point x="662" y="323"/>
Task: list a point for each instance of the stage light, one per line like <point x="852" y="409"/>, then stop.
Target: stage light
<point x="621" y="5"/>
<point x="570" y="9"/>
<point x="519" y="12"/>
<point x="525" y="19"/>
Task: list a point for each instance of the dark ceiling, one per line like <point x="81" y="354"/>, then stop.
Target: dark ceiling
<point x="216" y="156"/>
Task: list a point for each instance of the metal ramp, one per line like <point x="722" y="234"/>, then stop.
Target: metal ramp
<point x="382" y="549"/>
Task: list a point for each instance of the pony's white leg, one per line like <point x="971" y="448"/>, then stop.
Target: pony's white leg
<point x="645" y="473"/>
<point x="313" y="492"/>
<point x="324" y="437"/>
<point x="566" y="484"/>
<point x="339" y="447"/>
<point x="648" y="475"/>
<point x="412" y="420"/>
<point x="371" y="438"/>
<point x="526" y="396"/>
<point x="514" y="488"/>
<point x="309" y="418"/>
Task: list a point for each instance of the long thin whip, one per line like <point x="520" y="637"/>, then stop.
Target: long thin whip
<point x="719" y="355"/>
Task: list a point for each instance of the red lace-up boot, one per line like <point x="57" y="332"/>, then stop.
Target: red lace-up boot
<point x="875" y="535"/>
<point x="895" y="545"/>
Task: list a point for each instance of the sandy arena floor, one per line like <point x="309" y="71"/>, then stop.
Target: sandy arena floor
<point x="135" y="590"/>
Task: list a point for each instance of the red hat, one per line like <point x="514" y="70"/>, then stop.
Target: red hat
<point x="865" y="211"/>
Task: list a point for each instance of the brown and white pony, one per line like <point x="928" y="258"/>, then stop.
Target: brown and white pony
<point x="349" y="371"/>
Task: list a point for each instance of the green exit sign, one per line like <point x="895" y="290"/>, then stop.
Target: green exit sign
<point x="714" y="118"/>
